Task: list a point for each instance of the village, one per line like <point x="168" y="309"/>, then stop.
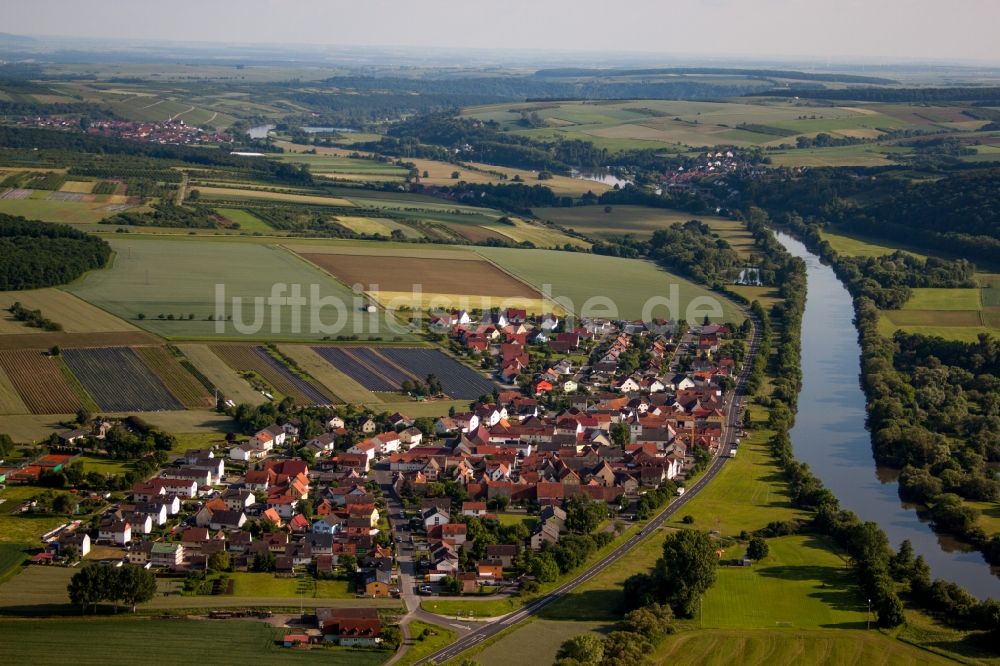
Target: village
<point x="609" y="420"/>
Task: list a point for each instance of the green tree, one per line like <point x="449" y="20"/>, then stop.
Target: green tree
<point x="6" y="445"/>
<point x="585" y="649"/>
<point x="584" y="515"/>
<point x="136" y="585"/>
<point x="624" y="648"/>
<point x="757" y="549"/>
<point x="219" y="561"/>
<point x="686" y="570"/>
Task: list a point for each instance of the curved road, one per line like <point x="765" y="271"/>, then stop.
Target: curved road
<point x="734" y="423"/>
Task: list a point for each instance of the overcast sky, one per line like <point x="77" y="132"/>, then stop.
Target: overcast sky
<point x="837" y="29"/>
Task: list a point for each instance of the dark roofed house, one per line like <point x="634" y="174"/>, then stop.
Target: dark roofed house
<point x="350" y="626"/>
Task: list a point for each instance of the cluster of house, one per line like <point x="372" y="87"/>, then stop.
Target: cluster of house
<point x="166" y="131"/>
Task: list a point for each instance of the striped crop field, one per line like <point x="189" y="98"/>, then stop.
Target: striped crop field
<point x="253" y="358"/>
<point x="40" y="381"/>
<point x="118" y="381"/>
<point x="180" y="382"/>
<point x="386" y="368"/>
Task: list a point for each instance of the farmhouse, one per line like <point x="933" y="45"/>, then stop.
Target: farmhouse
<point x="350" y="626"/>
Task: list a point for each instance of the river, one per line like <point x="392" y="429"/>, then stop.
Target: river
<point x="830" y="435"/>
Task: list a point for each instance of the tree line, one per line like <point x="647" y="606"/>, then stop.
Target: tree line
<point x="128" y="585"/>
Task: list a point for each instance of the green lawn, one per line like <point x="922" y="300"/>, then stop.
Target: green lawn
<point x="515" y="518"/>
<point x="267" y="585"/>
<point x="126" y="640"/>
<point x="623" y="287"/>
<point x="104" y="465"/>
<point x="420" y="646"/>
<point x="477" y="608"/>
<point x="23" y="528"/>
<point x="172" y="277"/>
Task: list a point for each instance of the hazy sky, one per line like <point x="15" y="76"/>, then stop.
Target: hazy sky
<point x="924" y="29"/>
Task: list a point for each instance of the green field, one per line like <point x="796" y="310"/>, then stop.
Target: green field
<point x="533" y="643"/>
<point x="67" y="212"/>
<point x="943" y="299"/>
<point x="20" y="529"/>
<point x="638" y="221"/>
<point x="760" y="647"/>
<point x="852" y="246"/>
<point x="420" y="646"/>
<point x="12" y="555"/>
<point x="247" y="221"/>
<point x="652" y="123"/>
<point x="138" y="641"/>
<point x="627" y="284"/>
<point x="168" y="277"/>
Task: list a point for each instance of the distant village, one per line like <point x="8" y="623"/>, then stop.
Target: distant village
<point x="173" y="131"/>
<point x="617" y="409"/>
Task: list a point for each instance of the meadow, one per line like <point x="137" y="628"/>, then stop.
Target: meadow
<point x="154" y="277"/>
<point x="623" y="286"/>
<point x="247" y="220"/>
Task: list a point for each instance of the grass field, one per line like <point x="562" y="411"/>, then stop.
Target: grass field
<point x="247" y="221"/>
<point x="142" y="642"/>
<point x="624" y="287"/>
<point x="854" y="246"/>
<point x="534" y="643"/>
<point x="377" y="225"/>
<point x="943" y="299"/>
<point x="157" y="277"/>
<point x="12" y="555"/>
<point x="765" y="647"/>
<point x="420" y="646"/>
<point x="75" y="315"/>
<point x="21" y="529"/>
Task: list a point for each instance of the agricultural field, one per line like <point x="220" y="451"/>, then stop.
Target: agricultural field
<point x="623" y="287"/>
<point x="383" y="369"/>
<point x="759" y="647"/>
<point x="648" y="123"/>
<point x="641" y="222"/>
<point x="958" y="314"/>
<point x="230" y="384"/>
<point x="336" y="382"/>
<point x="418" y="281"/>
<point x="155" y="277"/>
<point x="231" y="193"/>
<point x="247" y="220"/>
<point x="181" y="383"/>
<point x="377" y="225"/>
<point x="67" y="212"/>
<point x="638" y="221"/>
<point x="141" y="642"/>
<point x="255" y="359"/>
<point x="10" y="399"/>
<point x="43" y="382"/>
<point x="75" y="315"/>
<point x="118" y="380"/>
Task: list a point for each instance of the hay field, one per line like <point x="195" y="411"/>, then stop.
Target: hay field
<point x="75" y="315"/>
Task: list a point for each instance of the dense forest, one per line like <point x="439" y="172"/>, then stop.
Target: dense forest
<point x="872" y="94"/>
<point x="38" y="254"/>
<point x="958" y="212"/>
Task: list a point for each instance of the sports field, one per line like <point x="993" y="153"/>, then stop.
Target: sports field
<point x="168" y="281"/>
<point x="611" y="287"/>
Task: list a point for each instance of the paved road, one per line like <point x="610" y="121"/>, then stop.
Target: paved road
<point x="733" y="425"/>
